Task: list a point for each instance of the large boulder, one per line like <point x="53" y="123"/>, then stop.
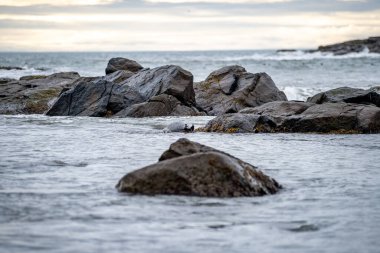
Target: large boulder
<point x="190" y="168"/>
<point x="300" y="117"/>
<point x="120" y="63"/>
<point x="85" y="99"/>
<point x="161" y="105"/>
<point x="348" y="95"/>
<point x="232" y="88"/>
<point x="148" y="83"/>
<point x="33" y="94"/>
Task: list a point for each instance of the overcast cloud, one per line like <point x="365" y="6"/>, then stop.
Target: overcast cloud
<point x="117" y="25"/>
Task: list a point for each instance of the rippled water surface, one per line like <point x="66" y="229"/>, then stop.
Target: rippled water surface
<point x="57" y="178"/>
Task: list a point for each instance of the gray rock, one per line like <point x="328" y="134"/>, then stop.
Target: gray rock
<point x="161" y="105"/>
<point x="85" y="99"/>
<point x="33" y="94"/>
<point x="120" y="63"/>
<point x="231" y="89"/>
<point x="118" y="76"/>
<point x="353" y="46"/>
<point x="348" y="95"/>
<point x="170" y="80"/>
<point x="189" y="168"/>
<point x="301" y="117"/>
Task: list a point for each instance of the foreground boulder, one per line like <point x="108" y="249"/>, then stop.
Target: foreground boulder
<point x="120" y="63"/>
<point x="190" y="168"/>
<point x="353" y="46"/>
<point x="300" y="117"/>
<point x="348" y="95"/>
<point x="33" y="94"/>
<point x="232" y="88"/>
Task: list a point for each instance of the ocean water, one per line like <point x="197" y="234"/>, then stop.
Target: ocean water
<point x="298" y="74"/>
<point x="58" y="174"/>
<point x="57" y="178"/>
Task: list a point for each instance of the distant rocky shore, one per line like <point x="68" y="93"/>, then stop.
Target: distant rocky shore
<point x="241" y="101"/>
<point x="372" y="44"/>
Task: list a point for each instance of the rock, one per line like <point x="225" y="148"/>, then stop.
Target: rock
<point x="4" y="80"/>
<point x="189" y="168"/>
<point x="300" y="117"/>
<point x="148" y="83"/>
<point x="10" y="68"/>
<point x="179" y="126"/>
<point x="353" y="46"/>
<point x="232" y="88"/>
<point x="118" y="76"/>
<point x="33" y="94"/>
<point x="348" y="95"/>
<point x="161" y="105"/>
<point x="120" y="63"/>
<point x="85" y="99"/>
<point x="286" y="50"/>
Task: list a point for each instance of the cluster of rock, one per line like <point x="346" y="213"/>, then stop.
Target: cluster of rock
<point x="192" y="169"/>
<point x="242" y="101"/>
<point x="342" y="110"/>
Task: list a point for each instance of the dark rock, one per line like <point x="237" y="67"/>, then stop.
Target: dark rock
<point x="161" y="105"/>
<point x="170" y="80"/>
<point x="353" y="46"/>
<point x="120" y="63"/>
<point x="232" y="88"/>
<point x="301" y="117"/>
<point x="189" y="168"/>
<point x="348" y="95"/>
<point x="85" y="99"/>
<point x="286" y="51"/>
<point x="33" y="94"/>
<point x="4" y="80"/>
<point x="118" y="76"/>
<point x="10" y="68"/>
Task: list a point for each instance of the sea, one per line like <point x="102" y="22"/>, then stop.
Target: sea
<point x="58" y="174"/>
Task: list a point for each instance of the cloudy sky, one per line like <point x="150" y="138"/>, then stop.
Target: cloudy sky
<point x="130" y="25"/>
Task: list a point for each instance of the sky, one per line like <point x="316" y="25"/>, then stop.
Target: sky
<point x="160" y="25"/>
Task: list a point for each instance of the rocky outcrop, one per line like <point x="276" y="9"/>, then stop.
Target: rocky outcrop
<point x="232" y="88"/>
<point x="301" y="117"/>
<point x="85" y="99"/>
<point x="148" y="83"/>
<point x="33" y="94"/>
<point x="161" y="105"/>
<point x="348" y="95"/>
<point x="190" y="168"/>
<point x="353" y="46"/>
<point x="163" y="91"/>
<point x="120" y="63"/>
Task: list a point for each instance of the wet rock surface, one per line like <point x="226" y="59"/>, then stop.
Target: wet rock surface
<point x="231" y="89"/>
<point x="193" y="169"/>
<point x="301" y="117"/>
<point x="348" y="95"/>
<point x="33" y="94"/>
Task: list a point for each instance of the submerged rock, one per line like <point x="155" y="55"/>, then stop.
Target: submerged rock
<point x="120" y="63"/>
<point x="232" y="88"/>
<point x="348" y="95"/>
<point x="190" y="168"/>
<point x="301" y="117"/>
<point x="33" y="94"/>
